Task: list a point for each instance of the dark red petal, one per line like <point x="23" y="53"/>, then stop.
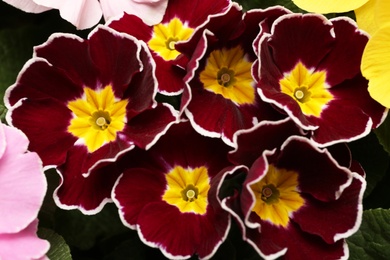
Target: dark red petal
<point x="116" y="56"/>
<point x="319" y="174"/>
<point x="213" y="115"/>
<point x="145" y="129"/>
<point x="88" y="194"/>
<point x="354" y="92"/>
<point x="343" y="62"/>
<point x="267" y="135"/>
<point x="292" y="243"/>
<point x="200" y="10"/>
<point x="306" y="34"/>
<point x="70" y="54"/>
<point x="341" y="217"/>
<point x="181" y="145"/>
<point x="182" y="234"/>
<point x="135" y="189"/>
<point x="132" y="25"/>
<point x="45" y="123"/>
<point x="38" y="79"/>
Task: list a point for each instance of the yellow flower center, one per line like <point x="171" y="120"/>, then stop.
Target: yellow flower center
<point x="228" y="73"/>
<point x="97" y="117"/>
<point x="187" y="189"/>
<point x="277" y="196"/>
<point x="308" y="88"/>
<point x="165" y="36"/>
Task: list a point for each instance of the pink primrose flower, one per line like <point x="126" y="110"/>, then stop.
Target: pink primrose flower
<point x="23" y="187"/>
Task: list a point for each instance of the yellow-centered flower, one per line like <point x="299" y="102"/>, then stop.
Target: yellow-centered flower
<point x="165" y="37"/>
<point x="277" y="196"/>
<point x="97" y="117"/>
<point x="308" y="88"/>
<point x="228" y="73"/>
<point x="187" y="189"/>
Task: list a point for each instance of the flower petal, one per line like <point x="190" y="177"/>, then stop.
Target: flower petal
<point x="52" y="143"/>
<point x="88" y="194"/>
<point x="22" y="182"/>
<point x="151" y="12"/>
<point x="83" y="14"/>
<point x="23" y="245"/>
<point x="375" y="65"/>
<point x="29" y="6"/>
<point x="329" y="6"/>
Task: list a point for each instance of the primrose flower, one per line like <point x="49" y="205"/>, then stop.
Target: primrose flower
<point x="92" y="97"/>
<point x="23" y="187"/>
<point x="168" y="196"/>
<point x="316" y="78"/>
<point x="292" y="191"/>
<point x="180" y="20"/>
<point x="220" y="96"/>
<point x="86" y="13"/>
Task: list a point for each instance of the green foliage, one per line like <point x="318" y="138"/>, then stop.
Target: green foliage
<point x="15" y="48"/>
<point x="371" y="156"/>
<point x="383" y="134"/>
<point x="59" y="250"/>
<point x="84" y="231"/>
<point x="372" y="240"/>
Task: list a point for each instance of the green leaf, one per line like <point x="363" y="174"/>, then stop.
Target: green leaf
<point x="84" y="231"/>
<point x="374" y="160"/>
<point x="15" y="49"/>
<point x="372" y="240"/>
<point x="59" y="250"/>
<point x="383" y="134"/>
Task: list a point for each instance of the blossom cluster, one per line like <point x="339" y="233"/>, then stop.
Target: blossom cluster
<point x="206" y="118"/>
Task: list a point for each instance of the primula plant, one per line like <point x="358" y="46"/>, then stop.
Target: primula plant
<point x="178" y="129"/>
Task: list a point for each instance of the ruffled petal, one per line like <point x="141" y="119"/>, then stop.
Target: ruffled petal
<point x="22" y="182"/>
<point x="24" y="244"/>
<point x="375" y="65"/>
<point x="151" y="12"/>
<point x="29" y="6"/>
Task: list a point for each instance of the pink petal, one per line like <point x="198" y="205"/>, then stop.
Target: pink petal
<point x="23" y="245"/>
<point x="82" y="13"/>
<point x="151" y="12"/>
<point x="27" y="5"/>
<point x="3" y="143"/>
<point x="22" y="183"/>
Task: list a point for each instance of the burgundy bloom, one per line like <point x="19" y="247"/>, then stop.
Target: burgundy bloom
<point x="308" y="67"/>
<point x="166" y="193"/>
<point x="94" y="97"/>
<point x="177" y="25"/>
<point x="297" y="201"/>
<point x="220" y="96"/>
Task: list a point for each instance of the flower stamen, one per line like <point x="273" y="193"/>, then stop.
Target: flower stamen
<point x="101" y="121"/>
